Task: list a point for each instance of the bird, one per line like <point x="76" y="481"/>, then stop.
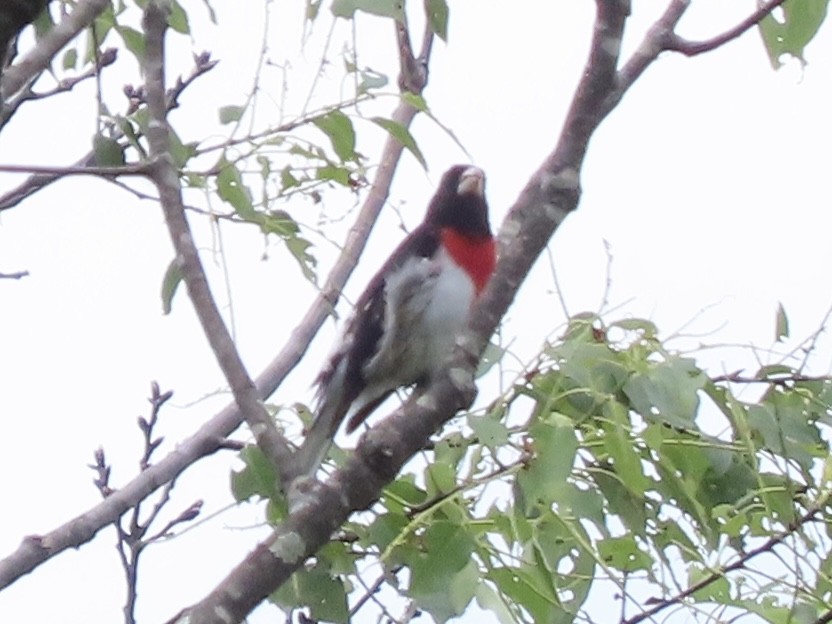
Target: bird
<point x="404" y="324"/>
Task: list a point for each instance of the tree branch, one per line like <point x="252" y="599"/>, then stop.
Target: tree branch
<point x="662" y="37"/>
<point x="15" y="275"/>
<point x="28" y="68"/>
<point x="655" y="41"/>
<point x="676" y="43"/>
<point x="166" y="178"/>
<point x="781" y="380"/>
<point x="141" y="169"/>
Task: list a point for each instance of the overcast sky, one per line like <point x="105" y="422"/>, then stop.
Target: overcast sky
<point x="709" y="184"/>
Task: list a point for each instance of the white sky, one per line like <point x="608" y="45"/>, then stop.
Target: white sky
<point x="709" y="182"/>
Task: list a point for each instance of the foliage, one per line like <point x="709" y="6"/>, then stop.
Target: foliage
<point x="612" y="462"/>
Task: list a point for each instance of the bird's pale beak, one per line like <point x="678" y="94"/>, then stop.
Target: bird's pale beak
<point x="472" y="181"/>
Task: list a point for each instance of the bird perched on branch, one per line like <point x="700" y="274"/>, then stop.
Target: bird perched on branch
<point x="406" y="321"/>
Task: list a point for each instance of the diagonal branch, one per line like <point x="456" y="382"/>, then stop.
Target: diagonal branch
<point x="654" y="42"/>
<point x="37" y="549"/>
<point x="15" y="275"/>
<point x="676" y="43"/>
<point x="166" y="178"/>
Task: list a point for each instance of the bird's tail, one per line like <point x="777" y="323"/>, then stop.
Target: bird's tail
<point x="309" y="457"/>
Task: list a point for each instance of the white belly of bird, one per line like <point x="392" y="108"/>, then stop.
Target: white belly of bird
<point x="448" y="313"/>
<point x="428" y="303"/>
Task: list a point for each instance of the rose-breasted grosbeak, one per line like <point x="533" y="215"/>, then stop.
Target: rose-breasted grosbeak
<point x="406" y="321"/>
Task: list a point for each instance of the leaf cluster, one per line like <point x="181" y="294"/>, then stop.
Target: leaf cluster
<point x="613" y="461"/>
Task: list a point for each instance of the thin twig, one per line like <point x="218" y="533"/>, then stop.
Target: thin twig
<point x="14" y="275"/>
<point x="371" y="590"/>
<point x="675" y="43"/>
<point x="779" y="380"/>
<point x="8" y="110"/>
<point x="131" y="532"/>
<point x="139" y="169"/>
<point x="767" y="546"/>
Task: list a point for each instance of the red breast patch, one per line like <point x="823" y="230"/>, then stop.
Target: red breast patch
<point x="477" y="255"/>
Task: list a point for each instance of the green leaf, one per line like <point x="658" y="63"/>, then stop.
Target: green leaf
<point x="338" y="127"/>
<point x="619" y="444"/>
<point x="231" y="114"/>
<point x="170" y="282"/>
<point x="782" y="422"/>
<point x="781" y="328"/>
<point x="800" y="23"/>
<point x="70" y="59"/>
<point x="493" y="353"/>
<point x="334" y="174"/>
<point x="443" y="578"/>
<point x="555" y="447"/>
<point x="299" y="248"/>
<point x="133" y="40"/>
<point x="43" y="23"/>
<point x="416" y="101"/>
<point x="287" y="179"/>
<point x="437" y="11"/>
<point x="384" y="8"/>
<point x="719" y="590"/>
<point x="403" y="494"/>
<point x="279" y="222"/>
<point x="728" y="478"/>
<point x="623" y="553"/>
<point x="622" y="501"/>
<point x="489" y="601"/>
<point x="257" y="478"/>
<point x="325" y="596"/>
<point x="181" y="152"/>
<point x="339" y="557"/>
<point x="231" y="189"/>
<point x="489" y="429"/>
<point x="440" y="478"/>
<point x="667" y="391"/>
<point x="178" y="19"/>
<point x="385" y="529"/>
<point x="371" y="79"/>
<point x="444" y="596"/>
<point x="312" y="9"/>
<point x="520" y="585"/>
<point x="403" y="136"/>
<point x="108" y="151"/>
